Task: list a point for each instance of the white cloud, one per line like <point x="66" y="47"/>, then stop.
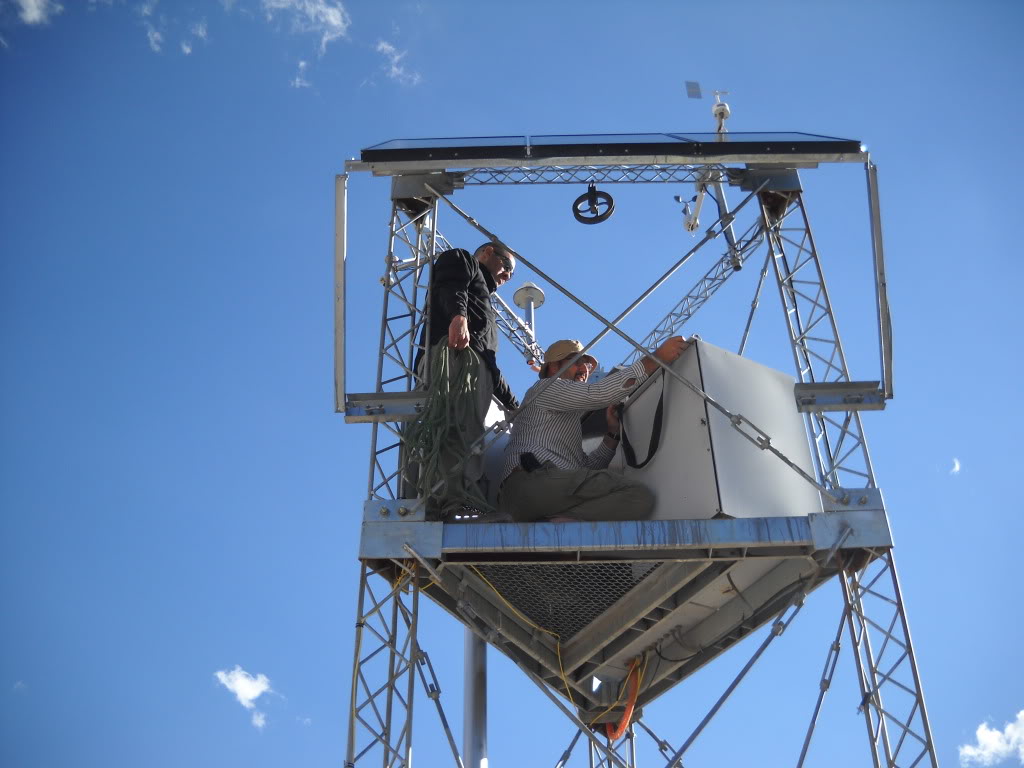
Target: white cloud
<point x="19" y="685"/>
<point x="186" y="47"/>
<point x="246" y="689"/>
<point x="156" y="40"/>
<point x="395" y="69"/>
<point x="994" y="746"/>
<point x="38" y="11"/>
<point x="955" y="470"/>
<point x="4" y="42"/>
<point x="300" y="80"/>
<point x="327" y="18"/>
<point x="147" y="8"/>
<point x="199" y="29"/>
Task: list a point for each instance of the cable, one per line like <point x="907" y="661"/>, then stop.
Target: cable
<point x="437" y="440"/>
<point x="558" y="638"/>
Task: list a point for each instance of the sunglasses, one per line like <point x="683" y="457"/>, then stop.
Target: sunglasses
<point x="506" y="262"/>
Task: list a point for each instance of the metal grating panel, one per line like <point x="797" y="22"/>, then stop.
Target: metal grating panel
<point x="565" y="598"/>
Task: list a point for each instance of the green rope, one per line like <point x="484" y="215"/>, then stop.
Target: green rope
<point x="450" y="423"/>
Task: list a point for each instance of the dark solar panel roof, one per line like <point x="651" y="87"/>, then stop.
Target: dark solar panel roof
<point x="533" y="148"/>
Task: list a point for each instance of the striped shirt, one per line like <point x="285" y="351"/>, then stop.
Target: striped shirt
<point x="549" y="425"/>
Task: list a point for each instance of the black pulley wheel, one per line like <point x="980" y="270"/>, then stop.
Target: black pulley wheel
<point x="593" y="206"/>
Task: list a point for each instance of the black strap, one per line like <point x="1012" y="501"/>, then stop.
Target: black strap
<point x="652" y="449"/>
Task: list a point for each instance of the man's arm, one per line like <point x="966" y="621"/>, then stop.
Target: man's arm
<point x="567" y="395"/>
<point x="503" y="392"/>
<point x="450" y="292"/>
<point x="601" y="457"/>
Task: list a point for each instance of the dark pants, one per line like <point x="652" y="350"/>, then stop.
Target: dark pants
<point x="580" y="494"/>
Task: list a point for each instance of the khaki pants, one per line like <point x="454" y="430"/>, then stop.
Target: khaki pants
<point x="580" y="494"/>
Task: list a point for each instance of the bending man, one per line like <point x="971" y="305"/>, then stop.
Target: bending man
<point x="546" y="474"/>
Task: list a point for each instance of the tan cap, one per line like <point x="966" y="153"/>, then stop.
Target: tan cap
<point x="566" y="348"/>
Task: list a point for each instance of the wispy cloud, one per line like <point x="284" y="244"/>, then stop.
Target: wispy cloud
<point x="38" y="11"/>
<point x="199" y="29"/>
<point x="300" y="80"/>
<point x="246" y="689"/>
<point x="155" y="38"/>
<point x="153" y="35"/>
<point x="994" y="746"/>
<point x="19" y="685"/>
<point x="394" y="67"/>
<point x="326" y="18"/>
<point x="186" y="47"/>
<point x="955" y="469"/>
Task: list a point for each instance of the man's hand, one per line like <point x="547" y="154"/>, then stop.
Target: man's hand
<point x="458" y="333"/>
<point x="611" y="415"/>
<point x="668" y="353"/>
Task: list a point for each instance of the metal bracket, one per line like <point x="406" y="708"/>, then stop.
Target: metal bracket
<point x="399" y="510"/>
<point x="384" y="406"/>
<point x="856" y="528"/>
<point x="410" y="192"/>
<point x="387" y="540"/>
<point x="750" y="179"/>
<point x="814" y="397"/>
<point x="853" y="498"/>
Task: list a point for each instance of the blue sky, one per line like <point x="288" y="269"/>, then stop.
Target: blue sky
<point x="179" y="499"/>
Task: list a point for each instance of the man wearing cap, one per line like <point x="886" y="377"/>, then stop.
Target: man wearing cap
<point x="547" y="476"/>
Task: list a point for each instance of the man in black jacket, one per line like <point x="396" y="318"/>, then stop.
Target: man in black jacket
<point x="460" y="308"/>
<point x="460" y="312"/>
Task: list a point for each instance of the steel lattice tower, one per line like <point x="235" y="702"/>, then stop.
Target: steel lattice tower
<point x="402" y="554"/>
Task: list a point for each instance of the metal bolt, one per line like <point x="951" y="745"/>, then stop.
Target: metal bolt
<point x="862" y="500"/>
<point x="384" y="512"/>
<point x="403" y="511"/>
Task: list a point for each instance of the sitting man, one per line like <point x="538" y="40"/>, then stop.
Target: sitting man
<point x="546" y="474"/>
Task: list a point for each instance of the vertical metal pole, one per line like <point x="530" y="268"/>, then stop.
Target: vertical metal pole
<point x="881" y="289"/>
<point x="474" y="717"/>
<point x="340" y="252"/>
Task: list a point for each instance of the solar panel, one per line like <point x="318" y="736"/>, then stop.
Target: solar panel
<point x="532" y="148"/>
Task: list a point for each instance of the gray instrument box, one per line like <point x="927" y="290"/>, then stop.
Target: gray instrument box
<point x="703" y="465"/>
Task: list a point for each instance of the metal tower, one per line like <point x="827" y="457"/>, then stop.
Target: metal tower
<point x="644" y="633"/>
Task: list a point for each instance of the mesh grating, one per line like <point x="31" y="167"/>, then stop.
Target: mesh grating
<point x="565" y="598"/>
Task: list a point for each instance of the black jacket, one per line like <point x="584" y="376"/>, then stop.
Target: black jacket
<point x="461" y="285"/>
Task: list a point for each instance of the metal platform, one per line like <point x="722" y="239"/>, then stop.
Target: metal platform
<point x="575" y="602"/>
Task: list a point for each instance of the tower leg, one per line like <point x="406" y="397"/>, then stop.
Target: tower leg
<point x="898" y="731"/>
<point x="384" y="667"/>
